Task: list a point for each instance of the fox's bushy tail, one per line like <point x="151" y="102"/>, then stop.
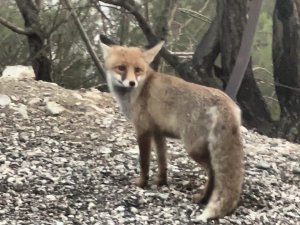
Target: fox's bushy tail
<point x="227" y="163"/>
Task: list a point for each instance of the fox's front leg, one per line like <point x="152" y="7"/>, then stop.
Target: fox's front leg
<point x="144" y="142"/>
<point x="160" y="146"/>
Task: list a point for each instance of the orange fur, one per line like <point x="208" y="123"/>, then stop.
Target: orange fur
<point x="205" y="119"/>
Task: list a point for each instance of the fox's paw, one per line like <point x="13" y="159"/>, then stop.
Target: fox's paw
<point x="161" y="180"/>
<point x="140" y="182"/>
<point x="206" y="215"/>
<point x="201" y="218"/>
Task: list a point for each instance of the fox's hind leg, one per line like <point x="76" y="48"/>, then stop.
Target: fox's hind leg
<point x="160" y="147"/>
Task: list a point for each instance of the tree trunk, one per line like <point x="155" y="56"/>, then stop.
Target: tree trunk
<point x="38" y="48"/>
<point x="232" y="20"/>
<point x="205" y="56"/>
<point x="286" y="60"/>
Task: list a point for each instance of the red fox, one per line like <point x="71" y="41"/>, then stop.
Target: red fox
<point x="205" y="119"/>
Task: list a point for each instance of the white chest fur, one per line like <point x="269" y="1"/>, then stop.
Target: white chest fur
<point x="124" y="104"/>
<point x="125" y="96"/>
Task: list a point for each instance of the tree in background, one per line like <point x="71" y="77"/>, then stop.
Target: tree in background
<point x="55" y="50"/>
<point x="232" y="20"/>
<point x="202" y="42"/>
<point x="36" y="35"/>
<point x="286" y="61"/>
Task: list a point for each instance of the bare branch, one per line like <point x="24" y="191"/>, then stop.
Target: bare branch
<point x="130" y="6"/>
<point x="195" y="15"/>
<point x="85" y="39"/>
<point x="15" y="28"/>
<point x="38" y="4"/>
<point x="57" y="25"/>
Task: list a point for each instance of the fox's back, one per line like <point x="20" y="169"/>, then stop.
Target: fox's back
<point x="175" y="105"/>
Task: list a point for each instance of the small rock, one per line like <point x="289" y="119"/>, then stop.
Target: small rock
<point x="34" y="209"/>
<point x="24" y="137"/>
<point x="14" y="98"/>
<point x="18" y="185"/>
<point x="34" y="101"/>
<point x="120" y="208"/>
<point x="105" y="150"/>
<point x="164" y="196"/>
<point x="186" y="183"/>
<point x="71" y="211"/>
<point x="272" y="145"/>
<point x="53" y="108"/>
<point x="51" y="197"/>
<point x="23" y="111"/>
<point x="133" y="210"/>
<point x="91" y="206"/>
<point x="263" y="165"/>
<point x="43" y="207"/>
<point x="244" y="129"/>
<point x="59" y="223"/>
<point x="2" y="158"/>
<point x="11" y="180"/>
<point x="94" y="136"/>
<point x="35" y="153"/>
<point x="4" y="100"/>
<point x="296" y="171"/>
<point x="3" y="188"/>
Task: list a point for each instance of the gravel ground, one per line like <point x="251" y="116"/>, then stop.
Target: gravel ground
<point x="68" y="157"/>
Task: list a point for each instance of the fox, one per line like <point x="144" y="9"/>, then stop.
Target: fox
<point x="162" y="106"/>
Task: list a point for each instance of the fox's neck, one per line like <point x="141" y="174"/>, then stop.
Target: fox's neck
<point x="126" y="97"/>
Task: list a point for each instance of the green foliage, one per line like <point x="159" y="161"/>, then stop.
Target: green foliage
<point x="72" y="66"/>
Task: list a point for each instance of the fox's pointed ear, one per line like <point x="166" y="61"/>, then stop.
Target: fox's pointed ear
<point x="152" y="52"/>
<point x="105" y="49"/>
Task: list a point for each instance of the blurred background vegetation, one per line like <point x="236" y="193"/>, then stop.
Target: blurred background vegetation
<point x="71" y="64"/>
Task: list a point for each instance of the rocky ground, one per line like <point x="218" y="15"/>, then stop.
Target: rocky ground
<point x="68" y="157"/>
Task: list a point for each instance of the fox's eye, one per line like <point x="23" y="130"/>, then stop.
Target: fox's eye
<point x="137" y="70"/>
<point x="122" y="68"/>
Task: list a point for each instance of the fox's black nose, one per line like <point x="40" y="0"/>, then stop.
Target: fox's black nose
<point x="131" y="83"/>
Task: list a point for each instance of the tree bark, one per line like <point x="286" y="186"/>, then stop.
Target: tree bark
<point x="38" y="48"/>
<point x="205" y="55"/>
<point x="232" y="20"/>
<point x="286" y="58"/>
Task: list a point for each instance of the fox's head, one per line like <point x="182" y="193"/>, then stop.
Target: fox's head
<point x="128" y="66"/>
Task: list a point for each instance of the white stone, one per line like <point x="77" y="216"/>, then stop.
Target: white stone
<point x="54" y="108"/>
<point x="18" y="72"/>
<point x="244" y="129"/>
<point x="51" y="197"/>
<point x="34" y="101"/>
<point x="4" y="100"/>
